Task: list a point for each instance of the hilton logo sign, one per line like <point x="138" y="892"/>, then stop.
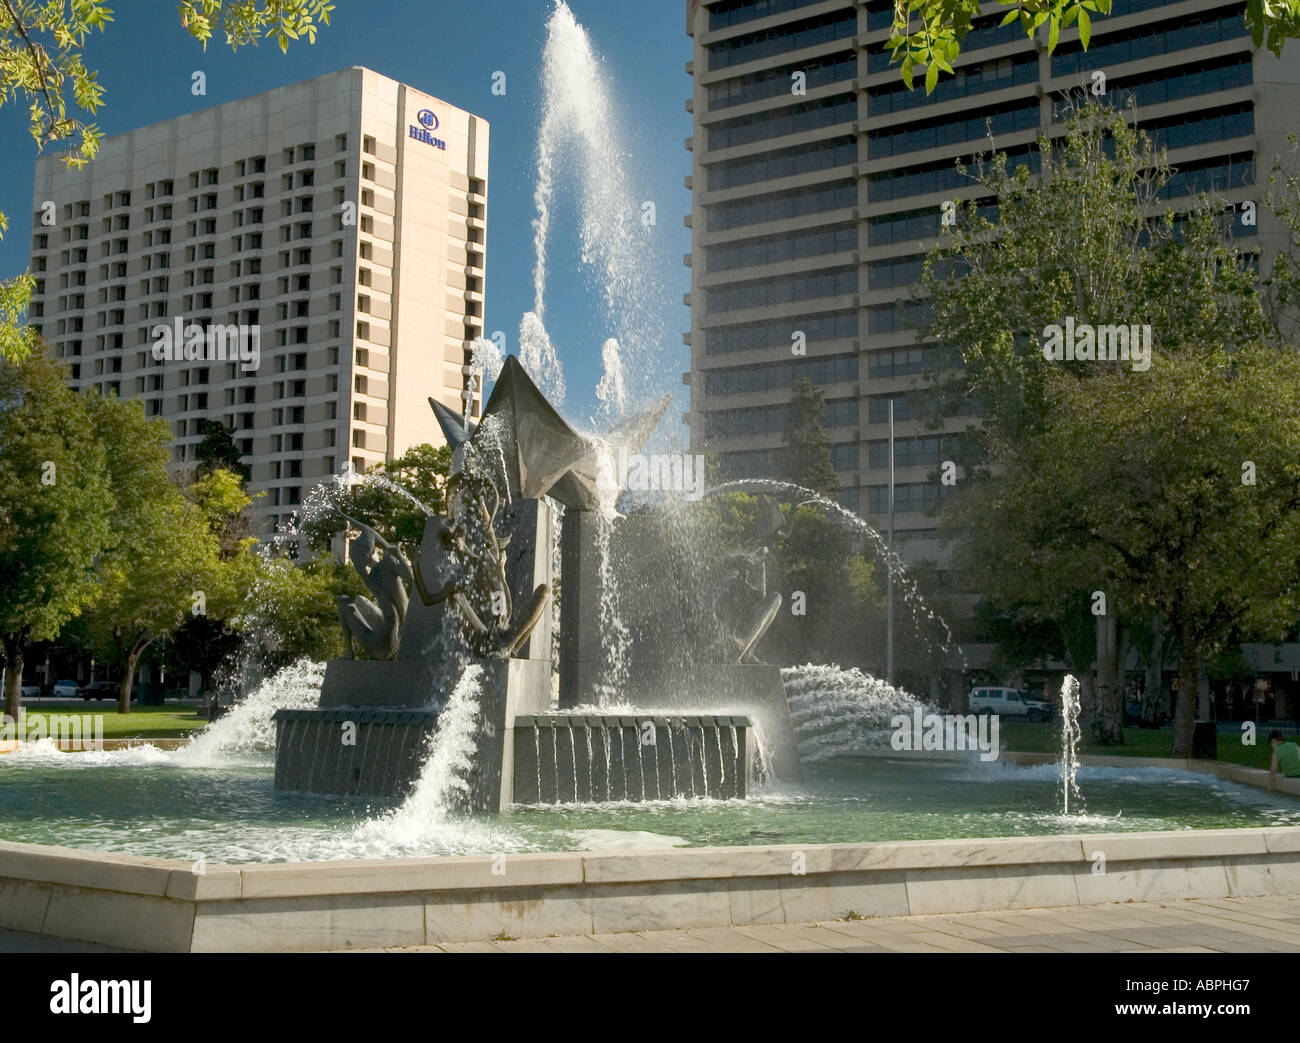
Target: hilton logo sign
<point x="424" y="132"/>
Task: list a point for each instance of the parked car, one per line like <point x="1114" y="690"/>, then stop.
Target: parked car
<point x="100" y="690"/>
<point x="64" y="689"/>
<point x="31" y="691"/>
<point x="1009" y="702"/>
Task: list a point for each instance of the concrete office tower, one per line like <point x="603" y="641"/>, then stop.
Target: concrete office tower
<point x="332" y="231"/>
<point x="811" y="211"/>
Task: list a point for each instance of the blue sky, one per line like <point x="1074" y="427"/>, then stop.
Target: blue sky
<point x="449" y="49"/>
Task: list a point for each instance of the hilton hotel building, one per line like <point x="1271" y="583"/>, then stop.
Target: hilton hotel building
<point x="812" y="213"/>
<point x="341" y="218"/>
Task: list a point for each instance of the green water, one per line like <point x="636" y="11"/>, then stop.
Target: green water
<point x="144" y="803"/>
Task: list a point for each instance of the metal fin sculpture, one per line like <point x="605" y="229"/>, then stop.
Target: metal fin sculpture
<point x="455" y="428"/>
<point x="536" y="443"/>
<point x="577" y="489"/>
<point x="543" y="455"/>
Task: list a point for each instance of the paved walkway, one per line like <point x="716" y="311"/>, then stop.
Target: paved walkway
<point x="1202" y="925"/>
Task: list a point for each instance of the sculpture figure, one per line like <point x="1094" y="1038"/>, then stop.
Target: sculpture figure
<point x="477" y="587"/>
<point x="743" y="606"/>
<point x="375" y="625"/>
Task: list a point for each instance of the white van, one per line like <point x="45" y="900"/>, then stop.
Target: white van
<point x="1009" y="702"/>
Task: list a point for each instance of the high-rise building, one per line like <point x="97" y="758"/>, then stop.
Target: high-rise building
<point x="311" y="259"/>
<point x="818" y="180"/>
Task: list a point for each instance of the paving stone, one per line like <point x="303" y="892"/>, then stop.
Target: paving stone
<point x="785" y="938"/>
<point x="629" y="942"/>
<point x="583" y="943"/>
<point x="732" y="939"/>
<point x="1266" y="924"/>
<point x="832" y="940"/>
<point x="529" y="945"/>
<point x="469" y="947"/>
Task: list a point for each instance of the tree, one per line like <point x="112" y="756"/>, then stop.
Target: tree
<point x="220" y="495"/>
<point x="806" y="458"/>
<point x="995" y="286"/>
<point x="163" y="562"/>
<point x="929" y="33"/>
<point x="393" y="495"/>
<point x="291" y="608"/>
<point x="1175" y="491"/>
<point x="1023" y="254"/>
<point x="203" y="642"/>
<point x="54" y="506"/>
<point x="42" y="66"/>
<point x="217" y="450"/>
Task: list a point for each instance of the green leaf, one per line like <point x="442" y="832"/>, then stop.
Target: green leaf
<point x="1085" y="28"/>
<point x="1009" y="17"/>
<point x="931" y="77"/>
<point x="1053" y="34"/>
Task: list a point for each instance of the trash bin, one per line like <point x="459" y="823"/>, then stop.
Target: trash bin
<point x="1205" y="740"/>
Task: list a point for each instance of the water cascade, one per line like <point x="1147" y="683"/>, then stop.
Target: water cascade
<point x="1070" y="736"/>
<point x="580" y="143"/>
<point x="837" y="712"/>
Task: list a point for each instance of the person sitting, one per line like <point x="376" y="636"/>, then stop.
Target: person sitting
<point x="1286" y="755"/>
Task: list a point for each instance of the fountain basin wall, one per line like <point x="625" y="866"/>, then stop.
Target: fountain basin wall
<point x="387" y="748"/>
<point x="371" y="748"/>
<point x="567" y="758"/>
<point x="161" y="905"/>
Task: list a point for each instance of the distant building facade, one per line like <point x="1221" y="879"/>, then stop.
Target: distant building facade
<point x="312" y="259"/>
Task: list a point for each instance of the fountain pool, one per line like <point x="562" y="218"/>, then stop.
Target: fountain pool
<point x="150" y="803"/>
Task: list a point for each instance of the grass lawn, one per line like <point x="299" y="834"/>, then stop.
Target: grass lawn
<point x="1138" y="742"/>
<point x="147" y="722"/>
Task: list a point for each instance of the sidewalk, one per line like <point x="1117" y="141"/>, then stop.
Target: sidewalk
<point x="1269" y="924"/>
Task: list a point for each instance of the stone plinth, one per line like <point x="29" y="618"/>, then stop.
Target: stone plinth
<point x="397" y="684"/>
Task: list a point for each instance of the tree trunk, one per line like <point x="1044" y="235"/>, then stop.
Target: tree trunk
<point x="1151" y="692"/>
<point x="131" y="662"/>
<point x="13" y="674"/>
<point x="1087" y="700"/>
<point x="1110" y="685"/>
<point x="1189" y="669"/>
<point x="128" y="680"/>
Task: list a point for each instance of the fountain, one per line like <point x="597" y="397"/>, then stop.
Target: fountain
<point x="624" y="706"/>
<point x="1070" y="736"/>
<point x="474" y="597"/>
